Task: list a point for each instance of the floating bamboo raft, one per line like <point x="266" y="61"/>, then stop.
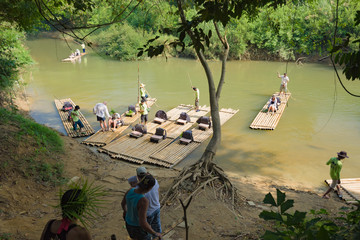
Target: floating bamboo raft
<point x="73" y="59"/>
<point x="176" y="152"/>
<point x="88" y="130"/>
<point x="350" y="189"/>
<point x="139" y="150"/>
<point x="100" y="138"/>
<point x="269" y="121"/>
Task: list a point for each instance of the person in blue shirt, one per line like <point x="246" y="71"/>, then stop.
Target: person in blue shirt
<point x="135" y="206"/>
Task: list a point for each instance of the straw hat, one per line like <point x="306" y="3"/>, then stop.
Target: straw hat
<point x="342" y="154"/>
<point x="142" y="85"/>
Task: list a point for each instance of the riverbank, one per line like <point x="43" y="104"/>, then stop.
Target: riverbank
<point x="25" y="205"/>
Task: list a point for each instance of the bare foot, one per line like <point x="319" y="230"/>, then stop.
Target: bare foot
<point x="326" y="197"/>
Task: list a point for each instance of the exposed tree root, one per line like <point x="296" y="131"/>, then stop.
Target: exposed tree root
<point x="200" y="175"/>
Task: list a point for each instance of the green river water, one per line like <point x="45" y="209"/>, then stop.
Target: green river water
<point x="320" y="120"/>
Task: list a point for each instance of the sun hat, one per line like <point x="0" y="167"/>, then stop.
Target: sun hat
<point x="142" y="85"/>
<point x="141" y="170"/>
<point x="342" y="154"/>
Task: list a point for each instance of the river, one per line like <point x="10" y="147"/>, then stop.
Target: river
<point x="320" y="120"/>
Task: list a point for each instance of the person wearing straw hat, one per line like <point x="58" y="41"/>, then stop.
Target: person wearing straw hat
<point x="135" y="206"/>
<point x="143" y="94"/>
<point x="335" y="169"/>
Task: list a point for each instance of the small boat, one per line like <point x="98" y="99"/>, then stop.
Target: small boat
<point x="72" y="59"/>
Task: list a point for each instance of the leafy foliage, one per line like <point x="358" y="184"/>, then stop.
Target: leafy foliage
<point x="346" y="58"/>
<point x="13" y="55"/>
<point x="298" y="226"/>
<point x="85" y="207"/>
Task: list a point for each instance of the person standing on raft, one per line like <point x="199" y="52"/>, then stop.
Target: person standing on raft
<point x="101" y="111"/>
<point x="284" y="81"/>
<point x="197" y="98"/>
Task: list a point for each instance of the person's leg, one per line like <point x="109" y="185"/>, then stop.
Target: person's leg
<point x="338" y="190"/>
<point x="331" y="187"/>
<point x="154" y="221"/>
<point x="81" y="125"/>
<point x="146" y="118"/>
<point x="102" y="125"/>
<point x="75" y="126"/>
<point x="105" y="125"/>
<point x="142" y="118"/>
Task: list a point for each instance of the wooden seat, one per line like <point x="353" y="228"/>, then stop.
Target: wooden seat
<point x="136" y="134"/>
<point x="181" y="121"/>
<point x="203" y="126"/>
<point x="159" y="120"/>
<point x="185" y="141"/>
<point x="156" y="138"/>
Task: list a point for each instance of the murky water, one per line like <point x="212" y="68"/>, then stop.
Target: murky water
<point x="320" y="119"/>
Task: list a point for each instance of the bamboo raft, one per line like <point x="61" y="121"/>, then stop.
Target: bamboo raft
<point x="269" y="121"/>
<point x="73" y="59"/>
<point x="176" y="152"/>
<point x="100" y="138"/>
<point x="88" y="130"/>
<point x="139" y="150"/>
<point x="350" y="189"/>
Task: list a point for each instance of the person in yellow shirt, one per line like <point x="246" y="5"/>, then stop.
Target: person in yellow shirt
<point x="144" y="111"/>
<point x="197" y="98"/>
<point x="335" y="169"/>
<point x="75" y="115"/>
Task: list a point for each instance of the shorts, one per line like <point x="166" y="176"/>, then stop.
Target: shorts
<point x="136" y="232"/>
<point x="334" y="183"/>
<point x="100" y="118"/>
<point x="196" y="102"/>
<point x="144" y="118"/>
<point x="283" y="87"/>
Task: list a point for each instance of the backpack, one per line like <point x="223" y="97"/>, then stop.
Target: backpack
<point x="67" y="106"/>
<point x="140" y="128"/>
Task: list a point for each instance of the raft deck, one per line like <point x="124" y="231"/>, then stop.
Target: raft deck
<point x="88" y="130"/>
<point x="176" y="152"/>
<point x="139" y="150"/>
<point x="100" y="138"/>
<point x="269" y="121"/>
<point x="350" y="189"/>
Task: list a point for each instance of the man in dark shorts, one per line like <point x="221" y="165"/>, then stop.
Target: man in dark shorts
<point x="101" y="112"/>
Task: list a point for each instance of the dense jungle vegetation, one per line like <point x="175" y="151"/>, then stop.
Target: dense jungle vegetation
<point x="305" y="28"/>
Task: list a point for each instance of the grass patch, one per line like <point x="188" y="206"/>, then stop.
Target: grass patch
<point x="5" y="236"/>
<point x="47" y="139"/>
<point x="30" y="149"/>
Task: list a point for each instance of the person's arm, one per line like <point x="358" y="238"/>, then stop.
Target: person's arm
<point x="142" y="209"/>
<point x="107" y="112"/>
<point x="123" y="204"/>
<point x="45" y="228"/>
<point x="279" y="76"/>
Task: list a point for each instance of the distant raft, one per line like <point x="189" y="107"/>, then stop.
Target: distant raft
<point x="88" y="130"/>
<point x="269" y="121"/>
<point x="73" y="59"/>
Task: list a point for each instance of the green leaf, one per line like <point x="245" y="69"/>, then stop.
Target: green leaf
<point x="323" y="234"/>
<point x="280" y="197"/>
<point x="269" y="199"/>
<point x="286" y="205"/>
<point x="270" y="216"/>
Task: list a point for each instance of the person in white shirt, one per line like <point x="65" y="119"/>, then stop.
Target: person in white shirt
<point x="83" y="47"/>
<point x="284" y="82"/>
<point x="101" y="112"/>
<point x="197" y="98"/>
